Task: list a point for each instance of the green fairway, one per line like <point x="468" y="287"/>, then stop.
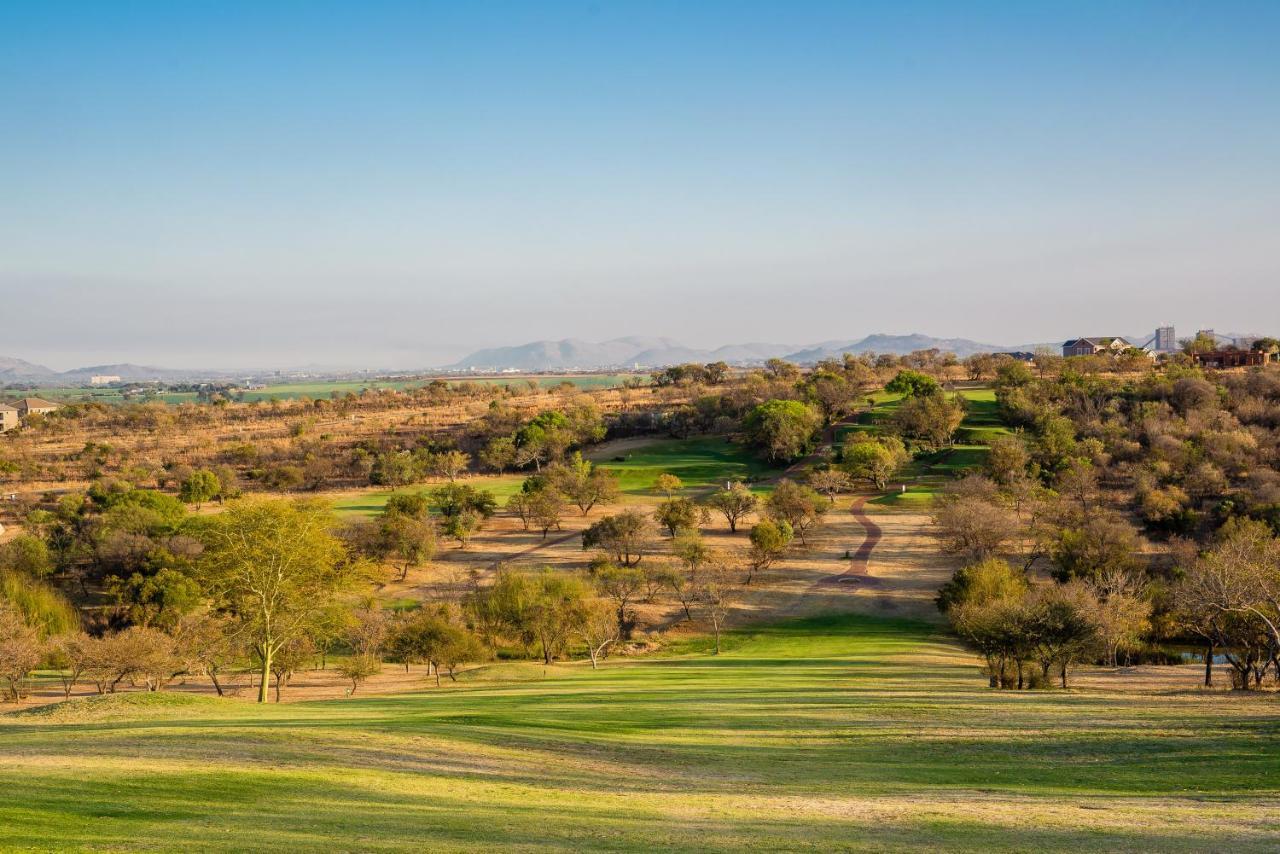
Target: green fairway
<point x="371" y="503"/>
<point x="701" y="463"/>
<point x="829" y="734"/>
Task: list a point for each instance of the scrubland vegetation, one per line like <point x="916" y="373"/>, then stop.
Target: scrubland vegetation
<point x="589" y="601"/>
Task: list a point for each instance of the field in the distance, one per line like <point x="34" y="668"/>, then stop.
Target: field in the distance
<point x="325" y="388"/>
<point x="840" y="733"/>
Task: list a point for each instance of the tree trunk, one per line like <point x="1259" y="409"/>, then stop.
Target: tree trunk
<point x="1208" y="665"/>
<point x="264" y="673"/>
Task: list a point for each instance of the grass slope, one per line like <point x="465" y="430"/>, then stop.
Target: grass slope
<point x="701" y="463"/>
<point x="844" y="733"/>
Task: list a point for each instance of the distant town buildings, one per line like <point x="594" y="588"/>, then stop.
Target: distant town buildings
<point x="1166" y="340"/>
<point x="105" y="379"/>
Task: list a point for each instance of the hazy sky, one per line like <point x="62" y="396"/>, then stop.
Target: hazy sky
<point x="395" y="184"/>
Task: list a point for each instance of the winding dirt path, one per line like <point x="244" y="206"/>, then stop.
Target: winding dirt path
<point x="858" y="573"/>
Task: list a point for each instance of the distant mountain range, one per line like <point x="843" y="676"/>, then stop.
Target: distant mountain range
<point x="20" y="371"/>
<point x="576" y="354"/>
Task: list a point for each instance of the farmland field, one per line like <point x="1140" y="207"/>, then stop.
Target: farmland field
<point x="325" y="388"/>
<point x="842" y="732"/>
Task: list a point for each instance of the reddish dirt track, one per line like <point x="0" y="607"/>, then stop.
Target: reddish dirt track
<point x="857" y="572"/>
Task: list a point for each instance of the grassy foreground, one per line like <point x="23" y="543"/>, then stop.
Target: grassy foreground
<point x="831" y="734"/>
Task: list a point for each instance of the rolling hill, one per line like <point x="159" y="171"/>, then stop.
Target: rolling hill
<point x="574" y="353"/>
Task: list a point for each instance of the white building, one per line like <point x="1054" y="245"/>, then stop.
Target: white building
<point x="103" y="380"/>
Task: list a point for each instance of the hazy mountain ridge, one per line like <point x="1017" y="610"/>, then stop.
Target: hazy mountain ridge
<point x="13" y="370"/>
<point x="574" y="353"/>
<point x="19" y="370"/>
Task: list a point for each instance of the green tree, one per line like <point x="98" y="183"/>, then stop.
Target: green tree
<point x="26" y="554"/>
<point x="275" y="566"/>
<point x="678" y="514"/>
<point x="409" y="541"/>
<point x="620" y="585"/>
<point x="158" y="600"/>
<point x="799" y="506"/>
<point x="875" y="460"/>
<point x="584" y="484"/>
<point x="769" y="542"/>
<point x="913" y="384"/>
<point x="624" y="537"/>
<point x="929" y="418"/>
<point x="735" y="503"/>
<point x="980" y="583"/>
<point x="200" y="486"/>
<point x="784" y="429"/>
<point x="668" y="484"/>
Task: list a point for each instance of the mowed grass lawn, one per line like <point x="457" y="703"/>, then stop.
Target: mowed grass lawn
<point x="845" y="733"/>
<point x="926" y="474"/>
<point x="701" y="463"/>
<point x="372" y="503"/>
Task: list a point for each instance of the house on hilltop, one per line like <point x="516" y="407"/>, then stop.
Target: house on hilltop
<point x="1232" y="358"/>
<point x="1105" y="345"/>
<point x="8" y="417"/>
<point x="14" y="414"/>
<point x="29" y="406"/>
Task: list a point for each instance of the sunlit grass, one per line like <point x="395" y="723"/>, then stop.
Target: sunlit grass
<point x="842" y="732"/>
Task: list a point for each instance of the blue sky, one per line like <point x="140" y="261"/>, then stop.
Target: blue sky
<point x="394" y="184"/>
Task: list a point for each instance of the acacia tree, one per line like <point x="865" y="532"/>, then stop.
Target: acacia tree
<point x="408" y="540"/>
<point x="972" y="525"/>
<point x="620" y="585"/>
<point x="1232" y="595"/>
<point x="830" y="482"/>
<point x="668" y="484"/>
<point x="798" y="506"/>
<point x="200" y="486"/>
<point x="585" y="484"/>
<point x="358" y="668"/>
<point x="450" y="464"/>
<point x="734" y="503"/>
<point x="545" y="509"/>
<point x="875" y="460"/>
<point x="20" y="653"/>
<point x="274" y="566"/>
<point x="718" y="591"/>
<point x="296" y="654"/>
<point x="783" y="429"/>
<point x="931" y="418"/>
<point x="678" y="514"/>
<point x="624" y="536"/>
<point x="769" y="541"/>
<point x="595" y="624"/>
